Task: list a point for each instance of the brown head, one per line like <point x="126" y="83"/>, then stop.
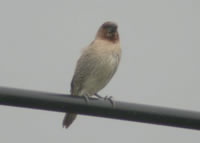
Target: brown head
<point x="108" y="31"/>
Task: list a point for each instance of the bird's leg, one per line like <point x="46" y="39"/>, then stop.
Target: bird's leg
<point x="110" y="99"/>
<point x="98" y="96"/>
<point x="86" y="98"/>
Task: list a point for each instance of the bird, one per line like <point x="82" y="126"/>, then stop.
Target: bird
<point x="96" y="65"/>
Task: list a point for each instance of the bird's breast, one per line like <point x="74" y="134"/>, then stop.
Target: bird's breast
<point x="104" y="66"/>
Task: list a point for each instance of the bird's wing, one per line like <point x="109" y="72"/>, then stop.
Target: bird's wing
<point x="84" y="68"/>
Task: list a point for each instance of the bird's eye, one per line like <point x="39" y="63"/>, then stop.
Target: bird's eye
<point x="111" y="29"/>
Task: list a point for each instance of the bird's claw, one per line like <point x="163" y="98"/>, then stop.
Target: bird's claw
<point x="86" y="98"/>
<point x="98" y="96"/>
<point x="110" y="99"/>
<point x="106" y="98"/>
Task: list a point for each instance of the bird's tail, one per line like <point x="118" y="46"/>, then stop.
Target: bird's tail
<point x="69" y="118"/>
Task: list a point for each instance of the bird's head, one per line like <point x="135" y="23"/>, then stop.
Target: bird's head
<point x="108" y="31"/>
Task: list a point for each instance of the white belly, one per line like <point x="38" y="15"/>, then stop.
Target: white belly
<point x="100" y="76"/>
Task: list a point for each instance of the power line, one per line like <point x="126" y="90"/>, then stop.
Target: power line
<point x="121" y="110"/>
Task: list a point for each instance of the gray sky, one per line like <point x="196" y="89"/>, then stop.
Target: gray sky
<point x="41" y="40"/>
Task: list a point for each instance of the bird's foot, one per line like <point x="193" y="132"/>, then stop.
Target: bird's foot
<point x="106" y="98"/>
<point x="86" y="98"/>
<point x="110" y="99"/>
<point x="98" y="96"/>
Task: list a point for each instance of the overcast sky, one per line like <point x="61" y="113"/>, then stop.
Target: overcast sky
<point x="41" y="40"/>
